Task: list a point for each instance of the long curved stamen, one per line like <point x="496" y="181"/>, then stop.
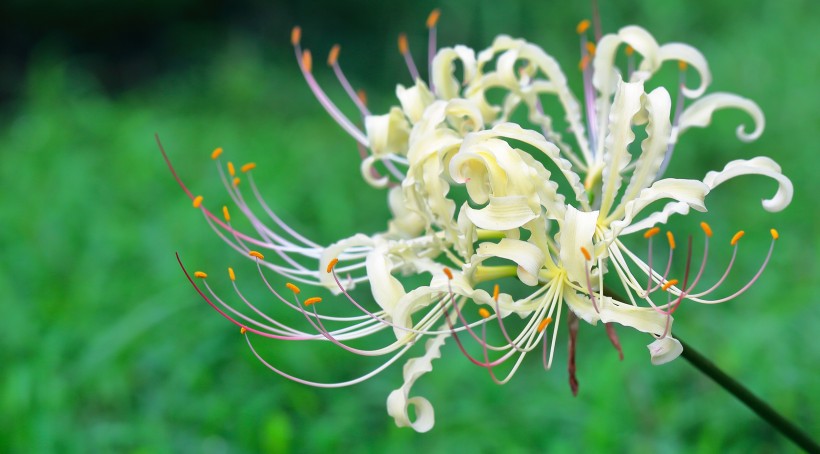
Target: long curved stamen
<point x="572" y="324"/>
<point x="333" y="62"/>
<point x="589" y="91"/>
<point x="707" y="232"/>
<point x="432" y="20"/>
<point x="587" y="259"/>
<point x="404" y="50"/>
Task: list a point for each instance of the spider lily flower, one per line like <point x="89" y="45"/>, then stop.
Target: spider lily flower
<point x="514" y="221"/>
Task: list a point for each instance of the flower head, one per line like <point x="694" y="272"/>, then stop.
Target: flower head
<point x="546" y="209"/>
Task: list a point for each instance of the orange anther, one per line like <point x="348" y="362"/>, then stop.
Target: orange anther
<point x="313" y="300"/>
<point x="197" y="201"/>
<point x="225" y="214"/>
<point x="629" y="51"/>
<point x="256" y="254"/>
<point x="448" y="273"/>
<point x="215" y="154"/>
<point x="403" y="46"/>
<point x="433" y="18"/>
<point x="362" y="96"/>
<point x="231" y="169"/>
<point x="243" y="330"/>
<point x="200" y="274"/>
<point x="706" y="229"/>
<point x="586" y="253"/>
<point x="236" y="182"/>
<point x="249" y="166"/>
<point x="582" y="65"/>
<point x="651" y="232"/>
<point x="334" y="54"/>
<point x="332" y="264"/>
<point x="231" y="274"/>
<point x="591" y="48"/>
<point x="682" y="65"/>
<point x="671" y="239"/>
<point x="544" y="323"/>
<point x="669" y="283"/>
<point x="296" y="35"/>
<point x="495" y="292"/>
<point x="583" y="26"/>
<point x="484" y="313"/>
<point x="774" y="233"/>
<point x="307" y="61"/>
<point x="737" y="237"/>
<point x="293" y="288"/>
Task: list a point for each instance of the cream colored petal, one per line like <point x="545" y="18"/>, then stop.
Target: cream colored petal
<point x="399" y="401"/>
<point x="760" y="165"/>
<point x="388" y="133"/>
<point x="415" y="100"/>
<point x="366" y="168"/>
<point x="576" y="232"/>
<point x="386" y="289"/>
<point x="625" y="107"/>
<point x="405" y="223"/>
<point x="693" y="58"/>
<point x="447" y="86"/>
<point x="664" y="350"/>
<point x="644" y="319"/>
<point x="527" y="256"/>
<point x="502" y="213"/>
<point x="687" y="192"/>
<point x="699" y="114"/>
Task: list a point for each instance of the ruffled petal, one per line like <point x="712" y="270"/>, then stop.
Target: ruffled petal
<point x="386" y="289"/>
<point x="399" y="401"/>
<point x="415" y="100"/>
<point x="760" y="165"/>
<point x="447" y="86"/>
<point x="527" y="256"/>
<point x="699" y="114"/>
<point x="502" y="213"/>
<point x="388" y="133"/>
<point x="693" y="58"/>
<point x="664" y="350"/>
<point x="688" y="193"/>
<point x="576" y="231"/>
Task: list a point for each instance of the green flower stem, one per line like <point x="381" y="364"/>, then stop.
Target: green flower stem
<point x="764" y="410"/>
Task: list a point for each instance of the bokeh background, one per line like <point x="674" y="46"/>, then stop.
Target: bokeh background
<point x="106" y="348"/>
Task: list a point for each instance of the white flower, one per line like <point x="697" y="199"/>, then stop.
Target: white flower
<point x="514" y="221"/>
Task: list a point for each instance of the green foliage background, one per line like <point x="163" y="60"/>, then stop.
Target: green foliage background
<point x="106" y="348"/>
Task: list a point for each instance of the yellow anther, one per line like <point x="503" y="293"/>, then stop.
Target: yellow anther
<point x="495" y="292"/>
<point x="231" y="274"/>
<point x="243" y="330"/>
<point x="231" y="169"/>
<point x="544" y="323"/>
<point x="582" y="65"/>
<point x="313" y="300"/>
<point x="257" y="255"/>
<point x="296" y="35"/>
<point x="334" y="54"/>
<point x="706" y="229"/>
<point x="651" y="232"/>
<point x="586" y="253"/>
<point x="774" y="233"/>
<point x="669" y="283"/>
<point x="737" y="237"/>
<point x="215" y="154"/>
<point x="225" y="214"/>
<point x="629" y="51"/>
<point x="671" y="239"/>
<point x="293" y="288"/>
<point x="307" y="61"/>
<point x="236" y="182"/>
<point x="448" y="273"/>
<point x="591" y="48"/>
<point x="197" y="201"/>
<point x="583" y="26"/>
<point x="247" y="167"/>
<point x="362" y="96"/>
<point x="200" y="274"/>
<point x="484" y="313"/>
<point x="433" y="18"/>
<point x="403" y="46"/>
<point x="682" y="65"/>
<point x="331" y="265"/>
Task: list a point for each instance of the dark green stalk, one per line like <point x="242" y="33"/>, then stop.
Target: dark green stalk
<point x="766" y="412"/>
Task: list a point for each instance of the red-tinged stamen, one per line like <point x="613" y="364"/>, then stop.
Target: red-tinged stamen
<point x="404" y="50"/>
<point x="333" y="61"/>
<point x="613" y="337"/>
<point x="432" y="19"/>
<point x="572" y="324"/>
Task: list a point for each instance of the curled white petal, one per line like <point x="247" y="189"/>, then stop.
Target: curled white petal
<point x="414" y="100"/>
<point x="576" y="232"/>
<point x="664" y="350"/>
<point x="527" y="256"/>
<point x="386" y="289"/>
<point x="760" y="165"/>
<point x="502" y="213"/>
<point x="699" y="114"/>
<point x="692" y="57"/>
<point x="687" y="192"/>
<point x="388" y="133"/>
<point x="398" y="401"/>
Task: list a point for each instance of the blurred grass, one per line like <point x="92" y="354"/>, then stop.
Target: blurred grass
<point x="106" y="347"/>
